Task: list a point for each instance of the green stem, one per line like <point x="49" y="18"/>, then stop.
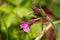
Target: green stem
<point x="46" y="17"/>
<point x="42" y="23"/>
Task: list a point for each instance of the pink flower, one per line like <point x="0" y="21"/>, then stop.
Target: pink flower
<point x="31" y="21"/>
<point x="36" y="10"/>
<point x="24" y="25"/>
<point x="26" y="29"/>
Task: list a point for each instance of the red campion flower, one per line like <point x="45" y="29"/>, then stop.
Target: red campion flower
<point x="25" y="25"/>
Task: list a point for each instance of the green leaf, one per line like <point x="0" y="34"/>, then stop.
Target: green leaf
<point x="58" y="31"/>
<point x="39" y="2"/>
<point x="6" y="8"/>
<point x="3" y="26"/>
<point x="22" y="11"/>
<point x="55" y="7"/>
<point x="35" y="29"/>
<point x="14" y="2"/>
<point x="10" y="19"/>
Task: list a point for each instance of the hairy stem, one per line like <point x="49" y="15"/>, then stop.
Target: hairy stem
<point x="45" y="30"/>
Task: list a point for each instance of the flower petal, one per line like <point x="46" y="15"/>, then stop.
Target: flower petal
<point x="23" y="24"/>
<point x="26" y="29"/>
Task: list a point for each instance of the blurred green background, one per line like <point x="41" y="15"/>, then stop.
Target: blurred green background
<point x="13" y="11"/>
